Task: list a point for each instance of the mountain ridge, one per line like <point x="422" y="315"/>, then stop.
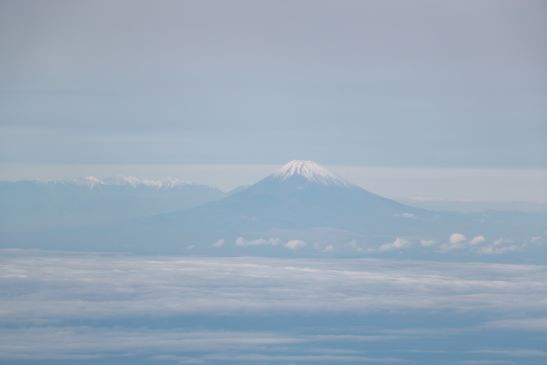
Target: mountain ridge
<point x="309" y="170"/>
<point x="303" y="204"/>
<point x="301" y="210"/>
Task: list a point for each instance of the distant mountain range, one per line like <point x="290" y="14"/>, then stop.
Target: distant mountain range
<point x="29" y="206"/>
<point x="301" y="209"/>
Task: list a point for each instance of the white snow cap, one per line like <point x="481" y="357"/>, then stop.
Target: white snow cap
<point x="311" y="171"/>
<point x="121" y="180"/>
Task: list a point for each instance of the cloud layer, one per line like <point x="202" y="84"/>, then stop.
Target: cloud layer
<point x="64" y="306"/>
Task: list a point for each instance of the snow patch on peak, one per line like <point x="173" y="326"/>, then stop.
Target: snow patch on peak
<point x="121" y="180"/>
<point x="309" y="170"/>
<point x="133" y="181"/>
<point x="90" y="181"/>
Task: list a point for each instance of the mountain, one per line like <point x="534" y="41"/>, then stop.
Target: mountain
<point x="301" y="209"/>
<point x="304" y="195"/>
<point x="300" y="202"/>
<point x="28" y="206"/>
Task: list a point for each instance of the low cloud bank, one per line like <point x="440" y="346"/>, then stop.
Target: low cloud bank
<point x="43" y="295"/>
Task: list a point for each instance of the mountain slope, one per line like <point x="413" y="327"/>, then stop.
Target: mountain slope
<point x="302" y="195"/>
<point x="36" y="205"/>
<point x="301" y="209"/>
<point x="300" y="201"/>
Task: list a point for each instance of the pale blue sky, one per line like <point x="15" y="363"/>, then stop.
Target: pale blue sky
<point x="398" y="83"/>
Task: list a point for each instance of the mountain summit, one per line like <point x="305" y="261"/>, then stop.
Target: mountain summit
<point x="309" y="170"/>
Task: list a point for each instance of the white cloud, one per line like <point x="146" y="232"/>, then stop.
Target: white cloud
<point x="295" y="244"/>
<point x="516" y="352"/>
<point x="525" y="324"/>
<point x="138" y="286"/>
<point x="501" y="246"/>
<point x="272" y="241"/>
<point x="218" y="243"/>
<point x="242" y="242"/>
<point x="185" y="346"/>
<point x="355" y="246"/>
<point x="328" y="248"/>
<point x="398" y="244"/>
<point x="497" y="249"/>
<point x="407" y="215"/>
<point x="55" y="289"/>
<point x="456" y="238"/>
<point x="477" y="240"/>
<point x="427" y="243"/>
<point x="485" y="362"/>
<point x="86" y="342"/>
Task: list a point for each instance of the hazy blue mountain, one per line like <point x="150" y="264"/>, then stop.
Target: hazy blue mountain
<point x="303" y="209"/>
<point x="28" y="206"/>
<point x="300" y="199"/>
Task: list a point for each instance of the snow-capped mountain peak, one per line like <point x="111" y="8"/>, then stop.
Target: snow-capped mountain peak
<point x="133" y="181"/>
<point x="91" y="181"/>
<point x="121" y="180"/>
<point x="309" y="170"/>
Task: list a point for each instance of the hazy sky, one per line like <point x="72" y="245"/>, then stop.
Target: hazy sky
<point x="385" y="83"/>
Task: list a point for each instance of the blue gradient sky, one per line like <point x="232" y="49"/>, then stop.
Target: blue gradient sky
<point x="426" y="84"/>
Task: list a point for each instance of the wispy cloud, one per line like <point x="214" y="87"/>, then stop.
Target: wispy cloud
<point x="398" y="244"/>
<point x="218" y="243"/>
<point x="42" y="294"/>
<point x="477" y="240"/>
<point x="295" y="244"/>
<point x="140" y="285"/>
<point x="242" y="241"/>
<point x="524" y="324"/>
<point x="456" y="238"/>
<point x="427" y="242"/>
<point x="515" y="352"/>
